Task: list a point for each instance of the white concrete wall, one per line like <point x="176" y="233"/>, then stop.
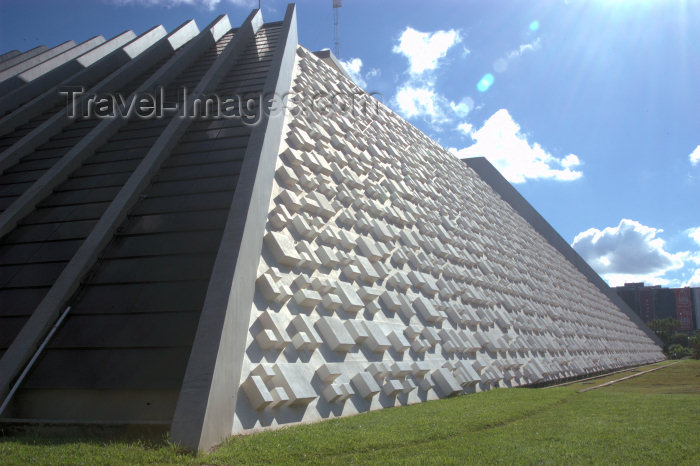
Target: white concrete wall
<point x="392" y="274"/>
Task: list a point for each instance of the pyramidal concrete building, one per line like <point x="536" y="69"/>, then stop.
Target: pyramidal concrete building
<point x="217" y="232"/>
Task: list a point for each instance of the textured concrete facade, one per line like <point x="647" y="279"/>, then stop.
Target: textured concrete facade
<point x="393" y="274"/>
<point x="215" y="276"/>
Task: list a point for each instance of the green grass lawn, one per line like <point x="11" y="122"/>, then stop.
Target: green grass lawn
<point x="651" y="419"/>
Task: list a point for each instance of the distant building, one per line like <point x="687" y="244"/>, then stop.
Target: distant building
<point x="655" y="302"/>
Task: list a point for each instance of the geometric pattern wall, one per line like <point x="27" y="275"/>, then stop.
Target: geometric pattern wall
<point x="392" y="274"/>
<point x="307" y="257"/>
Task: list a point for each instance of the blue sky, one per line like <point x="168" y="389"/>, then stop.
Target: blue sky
<point x="591" y="111"/>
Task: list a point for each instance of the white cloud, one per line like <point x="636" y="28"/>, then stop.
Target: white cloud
<point x="209" y="4"/>
<point x="463" y="107"/>
<point x="419" y="101"/>
<point x="466" y="128"/>
<point x="354" y="67"/>
<point x="501" y="141"/>
<point x="523" y="48"/>
<point x="373" y="73"/>
<point x="501" y="65"/>
<point x="695" y="156"/>
<point x="694" y="280"/>
<point x="424" y="49"/>
<point x="694" y="234"/>
<point x="629" y="252"/>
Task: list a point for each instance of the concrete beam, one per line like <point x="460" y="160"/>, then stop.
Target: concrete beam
<point x="10" y="62"/>
<point x="11" y="54"/>
<point x="99" y="135"/>
<point x="39" y="84"/>
<point x="87" y="78"/>
<point x="47" y="65"/>
<point x="130" y="70"/>
<point x="206" y="406"/>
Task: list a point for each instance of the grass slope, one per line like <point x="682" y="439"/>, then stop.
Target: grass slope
<point x="651" y="419"/>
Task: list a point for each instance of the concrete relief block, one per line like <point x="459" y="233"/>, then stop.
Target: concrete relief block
<point x="446" y="382"/>
<point x="382" y="232"/>
<point x="357" y="330"/>
<point x="399" y="257"/>
<point x="273" y="290"/>
<point x="317" y="204"/>
<point x="273" y="334"/>
<point x="290" y="200"/>
<point x="348" y="240"/>
<point x="431" y="335"/>
<point x="288" y="178"/>
<point x="376" y="340"/>
<point x="455" y="316"/>
<point x="304" y="326"/>
<point x="382" y="269"/>
<point x="368" y="273"/>
<point x="378" y="370"/>
<point x="282" y="247"/>
<point x="368" y="248"/>
<point x="408" y="239"/>
<point x="391" y="300"/>
<point x="466" y="375"/>
<point x="408" y="386"/>
<point x="296" y="382"/>
<point x="365" y="385"/>
<point x="399" y="280"/>
<point x="426" y="309"/>
<point x="332" y="392"/>
<point x="307" y="298"/>
<point x="279" y="397"/>
<point x="392" y="387"/>
<point x="348" y="220"/>
<point x="384" y="250"/>
<point x="412" y="331"/>
<point x="373" y="307"/>
<point x="345" y="196"/>
<point x="300" y="140"/>
<point x="398" y="341"/>
<point x="330" y="236"/>
<point x="351" y="271"/>
<point x="352" y="302"/>
<point x="419" y="369"/>
<point x="331" y="302"/>
<point x="429" y="286"/>
<point x="302" y="225"/>
<point x="369" y="293"/>
<point x="327" y="257"/>
<point x="309" y="259"/>
<point x="401" y="369"/>
<point x="328" y="372"/>
<point x="292" y="157"/>
<point x="334" y="334"/>
<point x="471" y="345"/>
<point x="307" y="179"/>
<point x="406" y="308"/>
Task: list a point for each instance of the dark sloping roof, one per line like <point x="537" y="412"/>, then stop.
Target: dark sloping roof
<point x="113" y="226"/>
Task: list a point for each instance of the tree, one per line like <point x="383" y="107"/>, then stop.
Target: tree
<point x="677" y="352"/>
<point x="664" y="329"/>
<point x="694" y="343"/>
<point x="679" y="339"/>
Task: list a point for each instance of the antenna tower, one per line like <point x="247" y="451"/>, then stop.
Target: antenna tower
<point x="336" y="6"/>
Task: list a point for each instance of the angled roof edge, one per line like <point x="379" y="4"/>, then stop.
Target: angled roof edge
<point x="206" y="405"/>
<point x="331" y="60"/>
<point x="508" y="193"/>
